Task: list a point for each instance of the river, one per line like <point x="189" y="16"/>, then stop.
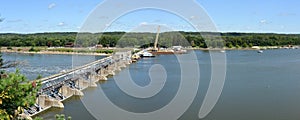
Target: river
<point x="33" y="65"/>
<point x="258" y="86"/>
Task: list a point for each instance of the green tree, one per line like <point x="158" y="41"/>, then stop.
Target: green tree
<point x="16" y="93"/>
<point x="229" y="45"/>
<point x="250" y="45"/>
<point x="244" y="45"/>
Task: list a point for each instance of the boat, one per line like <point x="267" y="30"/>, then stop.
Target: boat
<point x="178" y="50"/>
<point x="147" y="54"/>
<point x="260" y="51"/>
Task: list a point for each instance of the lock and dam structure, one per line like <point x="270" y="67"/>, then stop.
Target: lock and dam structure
<point x="59" y="87"/>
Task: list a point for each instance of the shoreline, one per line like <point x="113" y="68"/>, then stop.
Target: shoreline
<point x="225" y="49"/>
<point x="104" y="54"/>
<point x="215" y="49"/>
<point x="248" y="48"/>
<point x="55" y="53"/>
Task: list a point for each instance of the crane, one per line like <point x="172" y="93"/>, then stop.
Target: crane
<point x="156" y="39"/>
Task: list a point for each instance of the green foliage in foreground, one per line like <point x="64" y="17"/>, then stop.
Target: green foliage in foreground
<point x="16" y="93"/>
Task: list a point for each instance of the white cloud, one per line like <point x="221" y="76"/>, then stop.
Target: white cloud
<point x="263" y="21"/>
<point x="143" y="23"/>
<point x="52" y="5"/>
<point x="61" y="24"/>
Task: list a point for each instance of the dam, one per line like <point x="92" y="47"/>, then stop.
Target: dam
<point x="59" y="87"/>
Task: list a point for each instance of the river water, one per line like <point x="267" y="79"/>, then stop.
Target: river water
<point x="33" y="65"/>
<point x="258" y="86"/>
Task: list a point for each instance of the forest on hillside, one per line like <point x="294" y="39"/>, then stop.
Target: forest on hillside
<point x="166" y="39"/>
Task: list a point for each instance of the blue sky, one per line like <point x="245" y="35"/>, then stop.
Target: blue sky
<point x="32" y="16"/>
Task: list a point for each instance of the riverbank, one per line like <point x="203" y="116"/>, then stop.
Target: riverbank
<point x="207" y="49"/>
<point x="56" y="53"/>
<point x="248" y="48"/>
<point x="58" y="50"/>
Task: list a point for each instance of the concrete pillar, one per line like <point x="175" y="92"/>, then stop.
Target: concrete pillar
<point x="25" y="117"/>
<point x="78" y="92"/>
<point x="93" y="84"/>
<point x="45" y="102"/>
<point x="117" y="68"/>
<point x="121" y="64"/>
<point x="41" y="100"/>
<point x="82" y="84"/>
<point x="111" y="70"/>
<point x="56" y="103"/>
<point x="93" y="79"/>
<point x="103" y="72"/>
<point x="68" y="92"/>
<point x="102" y="75"/>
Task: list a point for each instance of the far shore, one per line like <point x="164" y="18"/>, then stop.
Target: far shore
<point x="206" y="49"/>
<point x="248" y="48"/>
<point x="55" y="53"/>
<point x="44" y="50"/>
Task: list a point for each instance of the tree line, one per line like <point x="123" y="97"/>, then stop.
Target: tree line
<point x="166" y="39"/>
